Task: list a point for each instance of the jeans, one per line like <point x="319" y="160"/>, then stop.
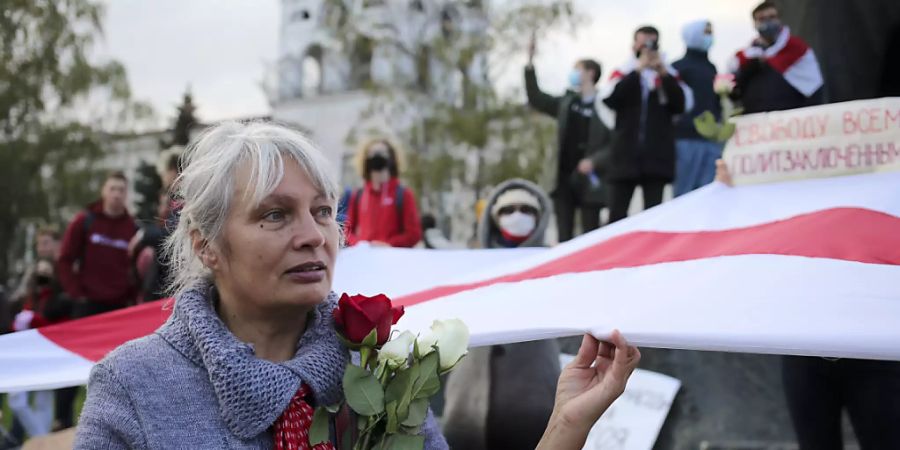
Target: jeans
<point x="36" y="419"/>
<point x="695" y="166"/>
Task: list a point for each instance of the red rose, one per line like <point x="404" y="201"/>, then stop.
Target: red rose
<point x="356" y="316"/>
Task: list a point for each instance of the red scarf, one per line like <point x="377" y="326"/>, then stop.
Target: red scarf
<point x="292" y="427"/>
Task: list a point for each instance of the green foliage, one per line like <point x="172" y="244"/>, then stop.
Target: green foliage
<point x="49" y="141"/>
<point x="318" y="430"/>
<point x="709" y="128"/>
<point x="184" y="121"/>
<point x="477" y="137"/>
<point x="362" y="391"/>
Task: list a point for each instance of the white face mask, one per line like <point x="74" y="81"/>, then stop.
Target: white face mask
<point x="518" y="224"/>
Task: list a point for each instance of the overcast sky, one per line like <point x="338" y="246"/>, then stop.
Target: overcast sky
<point x="220" y="48"/>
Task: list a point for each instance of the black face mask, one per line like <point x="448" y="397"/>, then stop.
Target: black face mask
<point x="377" y="163"/>
<point x="769" y="30"/>
<point x="43" y="280"/>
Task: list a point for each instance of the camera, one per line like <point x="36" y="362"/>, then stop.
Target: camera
<point x="651" y="44"/>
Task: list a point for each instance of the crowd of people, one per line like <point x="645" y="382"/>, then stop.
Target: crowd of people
<point x="500" y="396"/>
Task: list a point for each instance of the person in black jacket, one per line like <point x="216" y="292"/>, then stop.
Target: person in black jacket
<point x="583" y="142"/>
<point x="778" y="71"/>
<point x="696" y="155"/>
<point x="646" y="97"/>
<point x="154" y="235"/>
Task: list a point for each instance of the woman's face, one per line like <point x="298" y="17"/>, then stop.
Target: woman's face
<point x="279" y="253"/>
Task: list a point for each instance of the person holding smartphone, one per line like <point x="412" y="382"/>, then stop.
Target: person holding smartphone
<point x="645" y="94"/>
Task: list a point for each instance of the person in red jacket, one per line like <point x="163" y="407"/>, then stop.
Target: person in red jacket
<point x="383" y="212"/>
<point x="93" y="267"/>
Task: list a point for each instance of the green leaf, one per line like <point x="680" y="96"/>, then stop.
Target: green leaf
<point x="371" y="339"/>
<point x="726" y="132"/>
<point x="393" y="424"/>
<point x="706" y="125"/>
<point x="318" y="431"/>
<point x="418" y="409"/>
<point x="405" y="442"/>
<point x="401" y="384"/>
<point x="428" y="381"/>
<point x="362" y="391"/>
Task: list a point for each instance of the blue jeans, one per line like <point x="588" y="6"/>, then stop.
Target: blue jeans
<point x="696" y="164"/>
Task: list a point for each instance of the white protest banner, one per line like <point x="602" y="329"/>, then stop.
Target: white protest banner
<point x="633" y="422"/>
<point x="820" y="141"/>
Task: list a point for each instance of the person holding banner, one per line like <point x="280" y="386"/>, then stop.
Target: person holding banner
<point x="778" y="71"/>
<point x="501" y="396"/>
<point x="252" y="328"/>
<point x="819" y="389"/>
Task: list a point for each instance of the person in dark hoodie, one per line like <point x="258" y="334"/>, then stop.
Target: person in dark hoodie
<point x="696" y="156"/>
<point x="501" y="397"/>
<point x="93" y="263"/>
<point x="583" y="142"/>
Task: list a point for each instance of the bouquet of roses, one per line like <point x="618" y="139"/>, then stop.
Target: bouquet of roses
<point x="390" y="387"/>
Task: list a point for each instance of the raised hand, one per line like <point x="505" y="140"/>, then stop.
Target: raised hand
<point x="586" y="389"/>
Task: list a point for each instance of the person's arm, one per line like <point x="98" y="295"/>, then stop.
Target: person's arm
<point x="743" y="74"/>
<point x="674" y="93"/>
<point x="538" y="99"/>
<point x="412" y="224"/>
<point x="587" y="387"/>
<point x="71" y="250"/>
<point x="625" y="87"/>
<point x="350" y="221"/>
<point x="108" y="419"/>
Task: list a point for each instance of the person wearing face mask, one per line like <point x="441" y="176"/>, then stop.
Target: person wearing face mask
<point x="778" y="71"/>
<point x="383" y="212"/>
<point x="695" y="164"/>
<point x="583" y="142"/>
<point x="501" y="397"/>
<point x="645" y="94"/>
<point x="44" y="304"/>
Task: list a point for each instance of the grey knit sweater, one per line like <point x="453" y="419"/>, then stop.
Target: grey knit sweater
<point x="194" y="385"/>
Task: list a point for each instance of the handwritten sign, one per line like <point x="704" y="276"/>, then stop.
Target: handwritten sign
<point x="634" y="420"/>
<point x="820" y="141"/>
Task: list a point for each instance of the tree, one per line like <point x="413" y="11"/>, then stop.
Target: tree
<point x="185" y="121"/>
<point x="147" y="184"/>
<point x="56" y="106"/>
<point x="468" y="136"/>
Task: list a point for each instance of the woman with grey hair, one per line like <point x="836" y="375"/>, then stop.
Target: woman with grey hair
<point x="250" y="346"/>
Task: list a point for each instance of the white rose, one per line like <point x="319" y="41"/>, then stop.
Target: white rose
<point x="723" y="84"/>
<point x="452" y="340"/>
<point x="426" y="343"/>
<point x="396" y="351"/>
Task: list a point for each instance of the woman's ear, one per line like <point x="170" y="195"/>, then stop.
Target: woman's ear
<point x="204" y="251"/>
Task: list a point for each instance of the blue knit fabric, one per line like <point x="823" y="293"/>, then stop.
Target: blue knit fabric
<point x="194" y="385"/>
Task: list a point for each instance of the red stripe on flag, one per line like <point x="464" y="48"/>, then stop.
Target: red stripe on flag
<point x="851" y="234"/>
<point x="94" y="337"/>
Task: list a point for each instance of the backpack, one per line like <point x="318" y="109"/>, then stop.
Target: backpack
<point x="398" y="203"/>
